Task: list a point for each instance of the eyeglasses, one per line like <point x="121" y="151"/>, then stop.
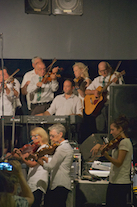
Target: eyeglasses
<point x="52" y="135"/>
<point x="35" y="136"/>
<point x="102" y="71"/>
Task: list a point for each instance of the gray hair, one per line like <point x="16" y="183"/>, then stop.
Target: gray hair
<point x="58" y="128"/>
<point x="36" y="57"/>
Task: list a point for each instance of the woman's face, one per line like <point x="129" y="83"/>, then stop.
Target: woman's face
<point x="77" y="71"/>
<point x="35" y="137"/>
<point x="114" y="131"/>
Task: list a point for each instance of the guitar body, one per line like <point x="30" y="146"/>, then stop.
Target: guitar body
<point x="92" y="104"/>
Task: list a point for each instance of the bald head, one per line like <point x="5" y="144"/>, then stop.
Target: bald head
<point x="104" y="68"/>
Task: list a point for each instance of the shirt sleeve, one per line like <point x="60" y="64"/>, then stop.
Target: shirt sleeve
<point x="123" y="145"/>
<point x="54" y="85"/>
<point x="32" y="86"/>
<point x="79" y="107"/>
<point x="52" y="108"/>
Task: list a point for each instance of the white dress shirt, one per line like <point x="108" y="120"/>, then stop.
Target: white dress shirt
<point x="62" y="106"/>
<point x="38" y="177"/>
<point x="8" y="99"/>
<point x="47" y="90"/>
<point x="27" y="77"/>
<point x="99" y="82"/>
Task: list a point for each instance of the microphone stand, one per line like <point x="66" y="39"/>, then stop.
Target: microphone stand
<point x="2" y="93"/>
<point x="13" y="121"/>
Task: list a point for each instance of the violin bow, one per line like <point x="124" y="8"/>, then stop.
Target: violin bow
<point x="50" y="66"/>
<point x="119" y="63"/>
<point x="12" y="75"/>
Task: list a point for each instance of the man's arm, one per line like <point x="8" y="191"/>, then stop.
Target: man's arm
<point x="24" y="88"/>
<point x="46" y="113"/>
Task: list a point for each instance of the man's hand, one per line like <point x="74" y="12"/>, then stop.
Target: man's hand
<point x="96" y="93"/>
<point x="39" y="84"/>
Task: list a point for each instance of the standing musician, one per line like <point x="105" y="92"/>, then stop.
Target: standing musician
<point x="119" y="178"/>
<point x="60" y="165"/>
<point x="11" y="91"/>
<point x="10" y="102"/>
<point x="37" y="177"/>
<point x="26" y="80"/>
<point x="41" y="93"/>
<point x="82" y="80"/>
<point x="106" y="75"/>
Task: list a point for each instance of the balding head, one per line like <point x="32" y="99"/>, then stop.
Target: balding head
<point x="104" y="68"/>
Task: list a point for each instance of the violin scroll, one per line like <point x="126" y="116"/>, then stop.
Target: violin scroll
<point x="112" y="144"/>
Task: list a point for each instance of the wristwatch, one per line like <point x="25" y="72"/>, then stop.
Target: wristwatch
<point x="77" y="88"/>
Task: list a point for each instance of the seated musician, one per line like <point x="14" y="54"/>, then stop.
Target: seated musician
<point x="82" y="80"/>
<point x="42" y="94"/>
<point x="105" y="76"/>
<point x="65" y="104"/>
<point x="37" y="177"/>
<point x="122" y="150"/>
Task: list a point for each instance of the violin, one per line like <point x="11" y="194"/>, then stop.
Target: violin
<point x="47" y="77"/>
<point x="27" y="148"/>
<point x="112" y="144"/>
<point x="49" y="150"/>
<point x="76" y="80"/>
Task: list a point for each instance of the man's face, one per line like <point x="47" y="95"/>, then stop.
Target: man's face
<point x="6" y="75"/>
<point x="102" y="69"/>
<point x="67" y="87"/>
<point x="37" y="60"/>
<point x="41" y="69"/>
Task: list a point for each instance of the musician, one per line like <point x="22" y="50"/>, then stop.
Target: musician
<point x="60" y="165"/>
<point x="119" y="178"/>
<point x="105" y="76"/>
<point x="10" y="103"/>
<point x="65" y="104"/>
<point x="37" y="177"/>
<point x="82" y="80"/>
<point x="41" y="93"/>
<point x="26" y="79"/>
<point x="11" y="92"/>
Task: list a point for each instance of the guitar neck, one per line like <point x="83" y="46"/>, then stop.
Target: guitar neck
<point x="117" y="76"/>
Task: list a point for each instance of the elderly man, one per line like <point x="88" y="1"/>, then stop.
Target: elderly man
<point x="41" y="93"/>
<point x="105" y="77"/>
<point x="26" y="79"/>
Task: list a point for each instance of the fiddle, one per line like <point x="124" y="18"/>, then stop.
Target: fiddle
<point x="112" y="144"/>
<point x="49" y="150"/>
<point x="76" y="80"/>
<point x="27" y="148"/>
<point x="47" y="77"/>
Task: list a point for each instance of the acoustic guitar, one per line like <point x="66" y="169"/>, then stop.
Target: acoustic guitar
<point x="94" y="104"/>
